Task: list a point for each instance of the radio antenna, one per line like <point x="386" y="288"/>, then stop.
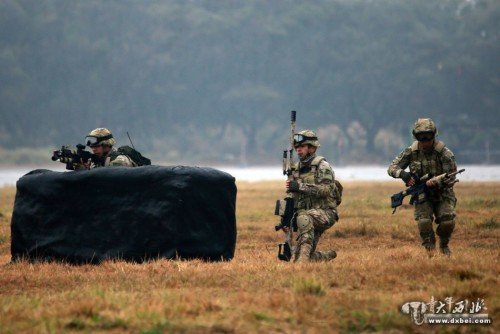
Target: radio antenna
<point x="130" y="141"/>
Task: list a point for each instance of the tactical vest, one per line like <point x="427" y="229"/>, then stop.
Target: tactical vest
<point x="309" y="174"/>
<point x="423" y="162"/>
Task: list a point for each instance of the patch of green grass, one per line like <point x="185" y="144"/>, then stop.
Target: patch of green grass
<point x="392" y="320"/>
<point x="76" y="324"/>
<point x="339" y="234"/>
<point x="96" y="322"/>
<point x="480" y="202"/>
<point x="483" y="245"/>
<point x="309" y="287"/>
<point x="365" y="321"/>
<point x="159" y="327"/>
<point x="490" y="223"/>
<point x="358" y="322"/>
<point x="466" y="274"/>
<point x="260" y="316"/>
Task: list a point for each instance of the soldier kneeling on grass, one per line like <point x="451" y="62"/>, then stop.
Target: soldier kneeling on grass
<point x="316" y="195"/>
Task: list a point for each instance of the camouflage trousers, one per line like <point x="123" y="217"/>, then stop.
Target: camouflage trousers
<point x="311" y="224"/>
<point x="442" y="211"/>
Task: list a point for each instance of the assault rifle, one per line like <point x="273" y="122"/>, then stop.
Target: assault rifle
<point x="285" y="208"/>
<point x="419" y="191"/>
<point x="71" y="157"/>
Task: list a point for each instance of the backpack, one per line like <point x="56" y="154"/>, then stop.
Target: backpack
<point x="133" y="154"/>
<point x="338" y="192"/>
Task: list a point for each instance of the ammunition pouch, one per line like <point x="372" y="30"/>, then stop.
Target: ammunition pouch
<point x="419" y="197"/>
<point x="285" y="209"/>
<point x="280" y="207"/>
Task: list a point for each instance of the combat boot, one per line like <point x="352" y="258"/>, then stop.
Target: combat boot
<point x="443" y="247"/>
<point x="444" y="230"/>
<point x="330" y="255"/>
<point x="429" y="244"/>
<point x="323" y="256"/>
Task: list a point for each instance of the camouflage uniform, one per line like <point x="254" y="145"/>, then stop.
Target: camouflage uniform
<point x="113" y="158"/>
<point x="441" y="199"/>
<point x="102" y="136"/>
<point x="316" y="205"/>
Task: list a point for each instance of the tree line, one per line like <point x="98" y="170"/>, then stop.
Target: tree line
<point x="214" y="81"/>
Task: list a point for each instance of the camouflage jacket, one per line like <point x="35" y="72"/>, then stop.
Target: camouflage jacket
<point x="113" y="158"/>
<point x="437" y="160"/>
<point x="317" y="189"/>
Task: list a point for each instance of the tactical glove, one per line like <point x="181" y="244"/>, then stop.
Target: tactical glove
<point x="405" y="176"/>
<point x="293" y="186"/>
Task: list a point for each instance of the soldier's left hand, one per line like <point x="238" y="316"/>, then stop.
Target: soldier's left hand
<point x="430" y="183"/>
<point x="292" y="186"/>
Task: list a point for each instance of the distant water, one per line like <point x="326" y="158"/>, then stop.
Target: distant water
<point x="368" y="173"/>
<point x="9" y="176"/>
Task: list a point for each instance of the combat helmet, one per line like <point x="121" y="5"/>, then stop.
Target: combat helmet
<point x="306" y="137"/>
<point x="100" y="137"/>
<point x="424" y="129"/>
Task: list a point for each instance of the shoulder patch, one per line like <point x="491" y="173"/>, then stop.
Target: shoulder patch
<point x="317" y="160"/>
<point x="447" y="153"/>
<point x="439" y="146"/>
<point x="325" y="171"/>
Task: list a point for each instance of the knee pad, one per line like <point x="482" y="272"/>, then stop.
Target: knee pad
<point x="305" y="229"/>
<point x="425" y="226"/>
<point x="445" y="218"/>
<point x="304" y="223"/>
<point x="445" y="228"/>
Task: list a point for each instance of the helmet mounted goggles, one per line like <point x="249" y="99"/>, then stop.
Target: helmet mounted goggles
<point x="299" y="139"/>
<point x="95" y="141"/>
<point x="425" y="136"/>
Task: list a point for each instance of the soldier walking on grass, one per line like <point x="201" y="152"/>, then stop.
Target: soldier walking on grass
<point x="316" y="196"/>
<point x="428" y="155"/>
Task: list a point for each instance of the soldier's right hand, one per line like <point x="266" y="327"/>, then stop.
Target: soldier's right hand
<point x="292" y="186"/>
<point x="407" y="178"/>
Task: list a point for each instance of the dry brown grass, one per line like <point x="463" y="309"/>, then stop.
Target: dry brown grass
<point x="380" y="266"/>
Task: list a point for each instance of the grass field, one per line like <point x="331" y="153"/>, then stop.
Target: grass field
<point x="380" y="266"/>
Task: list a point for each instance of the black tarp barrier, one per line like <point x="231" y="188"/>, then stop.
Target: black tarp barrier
<point x="132" y="214"/>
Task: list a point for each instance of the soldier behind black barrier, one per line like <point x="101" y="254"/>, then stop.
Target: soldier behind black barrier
<point x="101" y="142"/>
<point x="429" y="156"/>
